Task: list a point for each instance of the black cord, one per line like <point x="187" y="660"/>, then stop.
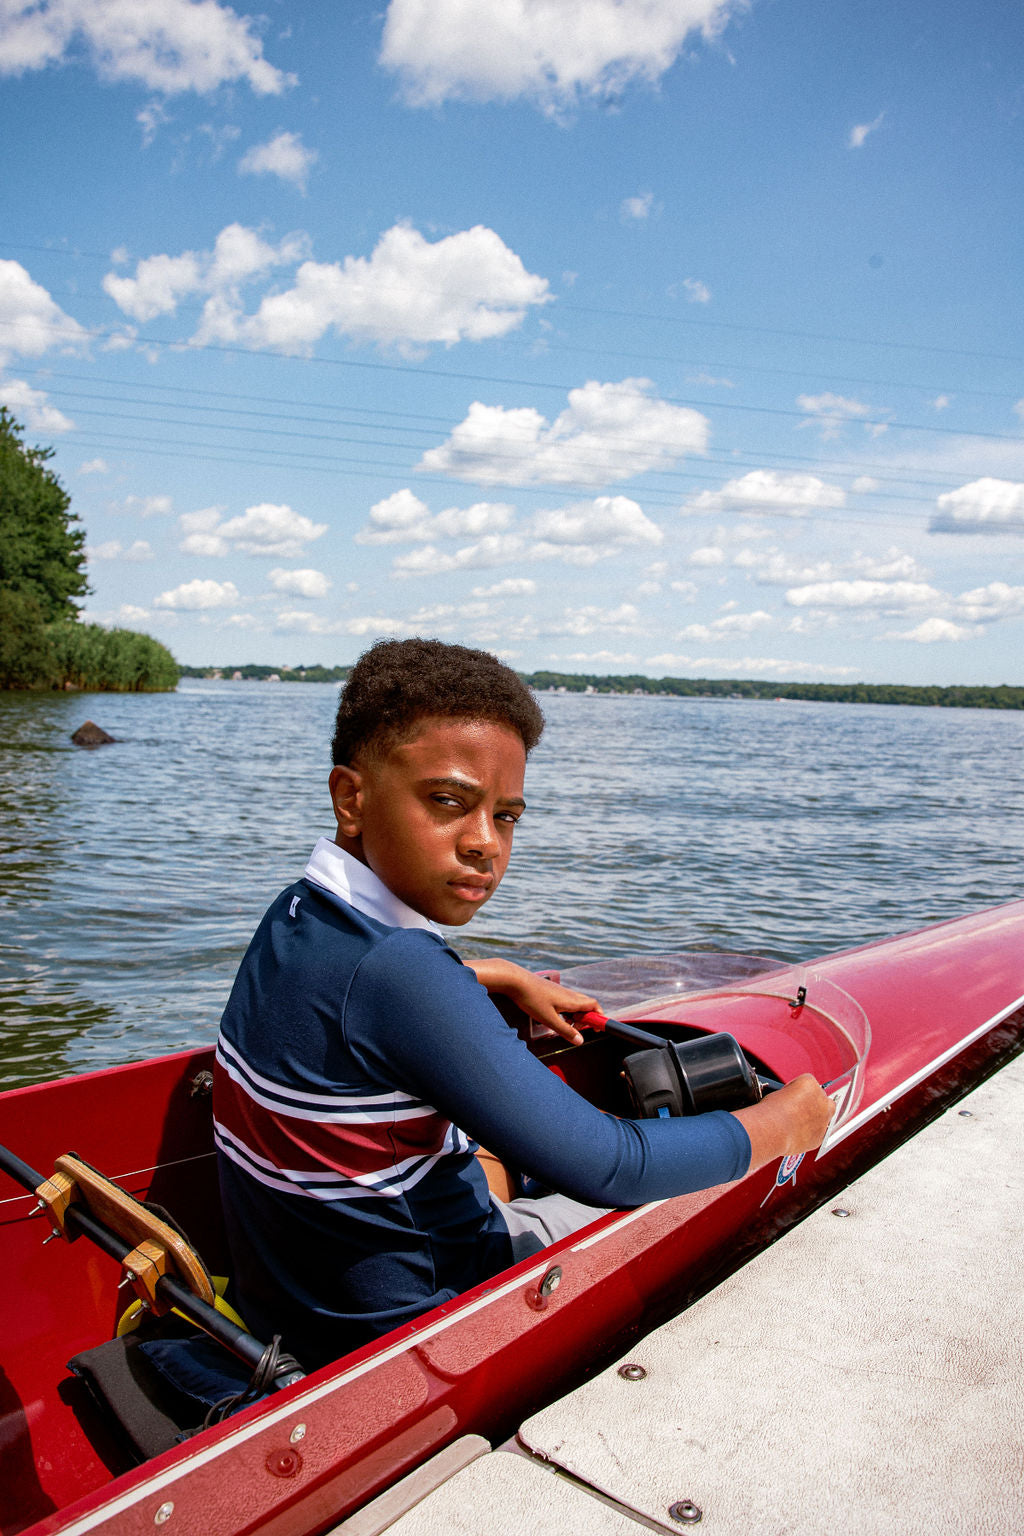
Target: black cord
<point x="273" y="1364"/>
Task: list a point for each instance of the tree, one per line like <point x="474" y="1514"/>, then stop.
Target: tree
<point x="42" y="553"/>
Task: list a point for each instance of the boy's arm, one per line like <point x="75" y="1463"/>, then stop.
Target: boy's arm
<point x="546" y="1001"/>
<point x="792" y="1120"/>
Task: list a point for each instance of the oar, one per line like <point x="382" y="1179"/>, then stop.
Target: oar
<point x="169" y="1288"/>
<point x="603" y="1025"/>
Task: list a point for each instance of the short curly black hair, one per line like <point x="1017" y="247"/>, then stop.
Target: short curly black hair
<point x="397" y="682"/>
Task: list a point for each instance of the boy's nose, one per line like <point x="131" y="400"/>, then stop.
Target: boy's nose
<point x="479" y="839"/>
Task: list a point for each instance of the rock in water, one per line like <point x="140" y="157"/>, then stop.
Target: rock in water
<point x="91" y="735"/>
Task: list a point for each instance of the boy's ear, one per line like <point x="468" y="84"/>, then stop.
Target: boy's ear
<point x="346" y="786"/>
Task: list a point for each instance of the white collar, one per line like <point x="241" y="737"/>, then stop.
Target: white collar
<point x="339" y="872"/>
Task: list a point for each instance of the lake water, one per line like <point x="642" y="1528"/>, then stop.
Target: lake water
<point x="133" y="876"/>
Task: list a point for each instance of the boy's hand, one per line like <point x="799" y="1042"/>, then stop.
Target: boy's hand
<point x="546" y="1001"/>
<point x="791" y="1120"/>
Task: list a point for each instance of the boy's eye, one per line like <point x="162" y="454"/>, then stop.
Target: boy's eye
<point x="511" y="816"/>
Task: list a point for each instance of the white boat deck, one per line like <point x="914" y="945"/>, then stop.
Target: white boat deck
<point x="866" y="1371"/>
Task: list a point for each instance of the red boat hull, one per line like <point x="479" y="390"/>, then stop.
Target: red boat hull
<point x="924" y="1017"/>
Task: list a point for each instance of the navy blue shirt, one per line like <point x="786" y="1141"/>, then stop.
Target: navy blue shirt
<point x="358" y="1065"/>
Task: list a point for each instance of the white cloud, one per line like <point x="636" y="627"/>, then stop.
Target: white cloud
<point x="860" y="593"/>
<point x="625" y="620"/>
<point x="860" y="132"/>
<point x="942" y="402"/>
<point x="865" y="483"/>
<point x="298" y="621"/>
<point x="467" y="287"/>
<point x="512" y="586"/>
<point x="984" y="605"/>
<point x="607" y="520"/>
<point x="831" y="411"/>
<point x="265" y="529"/>
<point x="608" y="432"/>
<point x="773" y="568"/>
<point x="932" y="630"/>
<point x="494" y="549"/>
<point x="708" y="555"/>
<point x="711" y="380"/>
<point x="194" y="596"/>
<point x="303" y="583"/>
<point x="600" y="658"/>
<point x="113" y="549"/>
<point x="30" y="322"/>
<point x="983" y="506"/>
<point x="696" y="291"/>
<point x="1019" y="409"/>
<point x="403" y="518"/>
<point x="284" y="155"/>
<point x="239" y="256"/>
<point x="142" y="506"/>
<point x="768" y="491"/>
<point x="166" y="45"/>
<point x="638" y="208"/>
<point x="32" y="408"/>
<point x="130" y="614"/>
<point x="151" y="118"/>
<point x="398" y="517"/>
<point x="549" y="51"/>
<point x="687" y="590"/>
<point x="94" y="467"/>
<point x="729" y="624"/>
<point x="579" y="534"/>
<point x="748" y="666"/>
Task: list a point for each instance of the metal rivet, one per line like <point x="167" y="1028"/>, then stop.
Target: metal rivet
<point x="966" y="1113"/>
<point x="297" y="1434"/>
<point x="632" y="1372"/>
<point x="552" y="1280"/>
<point x="164" y="1513"/>
<point x="685" y="1511"/>
<point x="840" y="1210"/>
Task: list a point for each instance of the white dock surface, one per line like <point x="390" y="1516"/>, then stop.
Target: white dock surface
<point x="866" y="1372"/>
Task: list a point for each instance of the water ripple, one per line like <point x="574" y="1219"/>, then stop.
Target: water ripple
<point x="132" y="877"/>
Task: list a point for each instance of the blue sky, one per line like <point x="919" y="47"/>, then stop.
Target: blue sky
<point x="667" y="336"/>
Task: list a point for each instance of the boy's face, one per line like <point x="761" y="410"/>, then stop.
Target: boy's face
<point x="433" y="818"/>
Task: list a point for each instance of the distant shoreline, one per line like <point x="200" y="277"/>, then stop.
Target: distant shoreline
<point x="956" y="696"/>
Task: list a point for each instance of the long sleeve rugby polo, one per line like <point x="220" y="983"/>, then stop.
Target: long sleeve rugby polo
<point x="358" y="1064"/>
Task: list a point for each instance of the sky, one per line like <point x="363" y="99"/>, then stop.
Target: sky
<point x="660" y="336"/>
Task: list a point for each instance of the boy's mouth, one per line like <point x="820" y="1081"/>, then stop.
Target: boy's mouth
<point x="471" y="887"/>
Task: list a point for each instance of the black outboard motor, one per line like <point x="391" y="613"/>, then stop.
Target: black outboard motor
<point x="667" y="1079"/>
<point x="710" y="1072"/>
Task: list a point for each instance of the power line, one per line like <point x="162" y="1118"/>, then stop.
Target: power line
<point x="372" y="469"/>
<point x="700" y="323"/>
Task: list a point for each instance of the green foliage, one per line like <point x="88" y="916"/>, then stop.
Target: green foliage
<point x="27" y="655"/>
<point x="112" y="660"/>
<point x="42" y="551"/>
<point x="250" y="672"/>
<point x="42" y="571"/>
<point x="980" y="696"/>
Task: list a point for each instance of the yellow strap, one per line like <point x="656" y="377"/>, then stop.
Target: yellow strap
<point x="132" y="1316"/>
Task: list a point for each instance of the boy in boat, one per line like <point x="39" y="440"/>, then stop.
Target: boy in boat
<point x="361" y="1062"/>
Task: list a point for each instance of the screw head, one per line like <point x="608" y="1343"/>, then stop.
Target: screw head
<point x="632" y="1372"/>
<point x="966" y="1114"/>
<point x="164" y="1513"/>
<point x="840" y="1210"/>
<point x="551" y="1281"/>
<point x="685" y="1511"/>
<point x="297" y="1434"/>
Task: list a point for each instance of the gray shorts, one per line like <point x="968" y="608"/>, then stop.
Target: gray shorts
<point x="535" y="1223"/>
